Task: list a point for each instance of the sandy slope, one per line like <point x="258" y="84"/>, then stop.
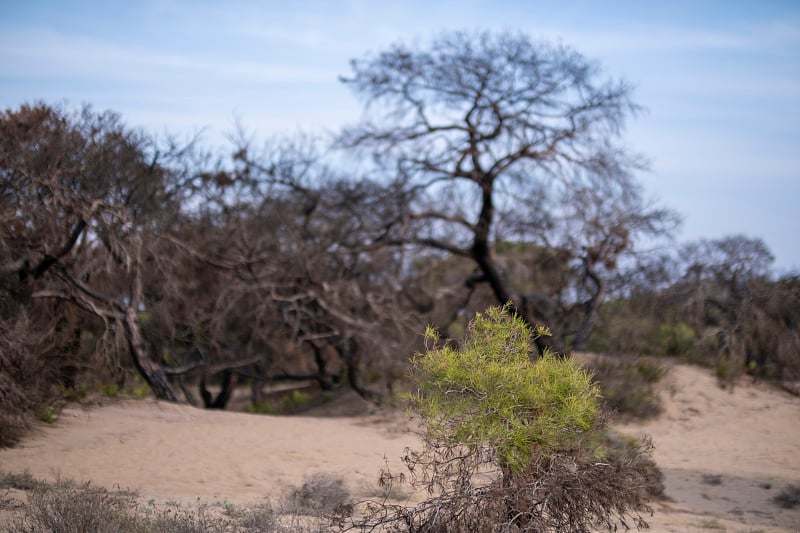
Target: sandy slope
<point x="725" y="453"/>
<point x="719" y="450"/>
<point x="177" y="452"/>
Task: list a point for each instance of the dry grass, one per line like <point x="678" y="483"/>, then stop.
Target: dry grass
<point x="320" y="495"/>
<point x="65" y="506"/>
<point x="789" y="497"/>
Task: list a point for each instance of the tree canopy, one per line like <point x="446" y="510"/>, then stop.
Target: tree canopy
<point x="495" y="137"/>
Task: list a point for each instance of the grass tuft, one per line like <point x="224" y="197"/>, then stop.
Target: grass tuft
<point x="789" y="497"/>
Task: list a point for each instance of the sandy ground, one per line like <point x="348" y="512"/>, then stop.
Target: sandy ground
<point x="725" y="453"/>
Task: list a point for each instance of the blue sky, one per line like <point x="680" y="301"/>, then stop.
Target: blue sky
<point x="720" y="80"/>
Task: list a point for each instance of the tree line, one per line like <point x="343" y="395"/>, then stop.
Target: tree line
<point x="487" y="168"/>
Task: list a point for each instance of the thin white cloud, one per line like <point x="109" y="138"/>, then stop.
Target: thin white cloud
<point x="45" y="54"/>
<point x="643" y="38"/>
<point x="312" y="39"/>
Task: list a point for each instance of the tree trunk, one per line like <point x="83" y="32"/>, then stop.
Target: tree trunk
<point x="591" y="311"/>
<point x="151" y="371"/>
<point x="348" y="351"/>
<point x="229" y="380"/>
<point x="482" y="255"/>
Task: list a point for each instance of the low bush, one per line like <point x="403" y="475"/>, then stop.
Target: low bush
<point x="25" y="379"/>
<point x="627" y="384"/>
<point x="789" y="497"/>
<point x="321" y="495"/>
<point x="65" y="506"/>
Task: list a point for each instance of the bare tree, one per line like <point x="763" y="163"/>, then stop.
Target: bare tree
<point x="739" y="314"/>
<point x="493" y="137"/>
<point x="83" y="200"/>
<point x="301" y="236"/>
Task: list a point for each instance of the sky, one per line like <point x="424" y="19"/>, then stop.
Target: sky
<point x="720" y="81"/>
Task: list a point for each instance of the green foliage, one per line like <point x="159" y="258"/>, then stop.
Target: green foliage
<point x="262" y="408"/>
<point x="48" y="415"/>
<point x="140" y="387"/>
<point x="288" y="404"/>
<point x="490" y="393"/>
<point x="111" y="390"/>
<point x="75" y="394"/>
<point x="295" y="400"/>
<point x="675" y="339"/>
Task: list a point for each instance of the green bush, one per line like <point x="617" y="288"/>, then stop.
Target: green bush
<point x="512" y="443"/>
<point x="48" y="415"/>
<point x="140" y="387"/>
<point x="111" y="390"/>
<point x="674" y="339"/>
<point x="489" y="394"/>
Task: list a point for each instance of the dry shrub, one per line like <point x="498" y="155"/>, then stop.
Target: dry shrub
<point x="627" y="385"/>
<point x="321" y="494"/>
<point x="75" y="510"/>
<point x="789" y="497"/>
<point x="20" y="481"/>
<point x="25" y="377"/>
<point x="555" y="494"/>
<point x="259" y="517"/>
<point x="69" y="507"/>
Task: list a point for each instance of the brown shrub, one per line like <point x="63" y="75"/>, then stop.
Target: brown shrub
<point x="627" y="384"/>
<point x="25" y="378"/>
<point x="320" y="495"/>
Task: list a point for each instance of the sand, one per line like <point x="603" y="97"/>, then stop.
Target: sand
<point x="725" y="453"/>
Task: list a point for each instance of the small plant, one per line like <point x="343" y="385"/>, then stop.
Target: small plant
<point x="69" y="507"/>
<point x="712" y="479"/>
<point x="48" y="415"/>
<point x="713" y="524"/>
<point x="75" y="394"/>
<point x="320" y="495"/>
<point x="140" y="389"/>
<point x="262" y="408"/>
<point x="288" y="404"/>
<point x="20" y="481"/>
<point x="259" y="517"/>
<point x="110" y="390"/>
<point x="789" y="497"/>
<point x="70" y="510"/>
<point x="228" y="508"/>
<point x="327" y="395"/>
<point x="296" y="400"/>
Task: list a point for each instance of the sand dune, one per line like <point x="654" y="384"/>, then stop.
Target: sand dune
<point x="725" y="453"/>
